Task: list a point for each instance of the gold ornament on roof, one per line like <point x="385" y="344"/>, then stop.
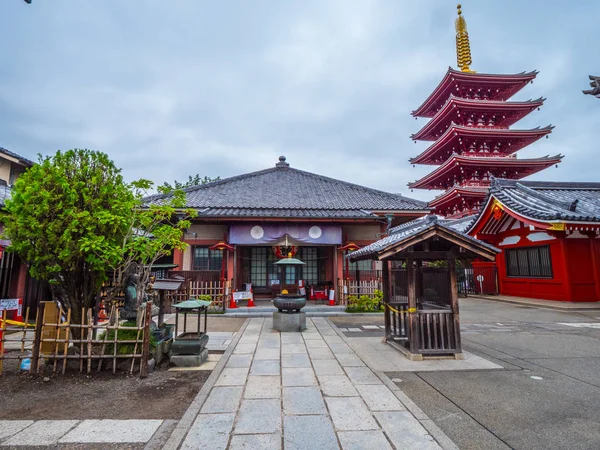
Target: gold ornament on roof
<point x="463" y="47"/>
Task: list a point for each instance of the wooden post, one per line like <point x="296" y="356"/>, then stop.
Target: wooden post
<point x="146" y="342"/>
<point x="387" y="297"/>
<point x="2" y="336"/>
<point x="413" y="338"/>
<point x="37" y="339"/>
<point x="161" y="308"/>
<point x="419" y="280"/>
<point x="454" y="303"/>
<point x="335" y="278"/>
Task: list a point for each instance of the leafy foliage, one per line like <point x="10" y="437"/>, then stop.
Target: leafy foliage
<point x="126" y="335"/>
<point x="192" y="181"/>
<point x="366" y="303"/>
<point x="73" y="219"/>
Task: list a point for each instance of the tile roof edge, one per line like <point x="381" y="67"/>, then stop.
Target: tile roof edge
<point x="15" y="155"/>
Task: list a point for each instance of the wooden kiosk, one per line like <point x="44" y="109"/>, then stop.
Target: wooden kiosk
<point x="421" y="299"/>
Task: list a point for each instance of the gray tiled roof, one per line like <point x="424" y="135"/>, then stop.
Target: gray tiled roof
<point x="547" y="200"/>
<point x="286" y="192"/>
<point x="5" y="193"/>
<point x="409" y="229"/>
<point x="14" y="155"/>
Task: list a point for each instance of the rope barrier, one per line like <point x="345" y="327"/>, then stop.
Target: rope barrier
<point x="409" y="310"/>
<point x="14" y="322"/>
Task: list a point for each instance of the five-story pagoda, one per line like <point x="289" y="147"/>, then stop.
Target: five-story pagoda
<point x="471" y="135"/>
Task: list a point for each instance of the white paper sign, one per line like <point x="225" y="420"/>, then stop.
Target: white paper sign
<point x="10" y="304"/>
<point x="242" y="295"/>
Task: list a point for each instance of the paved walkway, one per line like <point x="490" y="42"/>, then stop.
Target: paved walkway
<point x="302" y="391"/>
<point x="550" y="304"/>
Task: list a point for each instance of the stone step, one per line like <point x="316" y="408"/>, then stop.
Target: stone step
<point x="267" y="311"/>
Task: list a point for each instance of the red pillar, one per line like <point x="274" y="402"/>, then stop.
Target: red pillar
<point x="178" y="259"/>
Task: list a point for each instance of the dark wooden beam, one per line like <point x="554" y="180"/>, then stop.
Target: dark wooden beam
<point x="413" y="339"/>
<point x="454" y="303"/>
<point x="387" y="297"/>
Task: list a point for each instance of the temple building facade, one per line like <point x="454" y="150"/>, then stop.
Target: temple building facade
<point x="471" y="136"/>
<point x="246" y="223"/>
<point x="549" y="234"/>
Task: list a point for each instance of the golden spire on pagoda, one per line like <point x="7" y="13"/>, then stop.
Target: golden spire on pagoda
<point x="463" y="48"/>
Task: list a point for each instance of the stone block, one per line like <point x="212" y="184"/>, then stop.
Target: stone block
<point x="303" y="400"/>
<point x="295" y="360"/>
<point x="294" y="322"/>
<point x="379" y="398"/>
<point x="255" y="442"/>
<point x="265" y="367"/>
<point x="362" y="375"/>
<point x="298" y="377"/>
<point x="308" y="433"/>
<point x="209" y="432"/>
<point x="259" y="417"/>
<point x="232" y="376"/>
<point x="359" y="440"/>
<point x="189" y="346"/>
<point x="42" y="432"/>
<point x="351" y="414"/>
<point x="112" y="431"/>
<point x="337" y="386"/>
<point x="264" y="386"/>
<point x="327" y="367"/>
<point x="190" y="360"/>
<point x="10" y="427"/>
<point x="224" y="399"/>
<point x="405" y="431"/>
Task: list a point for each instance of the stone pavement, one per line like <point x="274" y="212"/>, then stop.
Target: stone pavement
<point x="305" y="391"/>
<point x="15" y="433"/>
<point x="384" y="358"/>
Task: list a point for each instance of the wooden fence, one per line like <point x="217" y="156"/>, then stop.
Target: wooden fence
<point x="56" y="340"/>
<point x="216" y="290"/>
<point x="353" y="288"/>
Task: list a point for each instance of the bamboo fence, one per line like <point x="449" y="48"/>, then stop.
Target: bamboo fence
<point x="216" y="290"/>
<point x="353" y="288"/>
<point x="54" y="334"/>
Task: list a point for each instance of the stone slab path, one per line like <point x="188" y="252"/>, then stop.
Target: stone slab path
<point x="304" y="390"/>
<point x="50" y="433"/>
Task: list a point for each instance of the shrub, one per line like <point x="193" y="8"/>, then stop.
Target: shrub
<point x="365" y="303"/>
<point x="125" y="335"/>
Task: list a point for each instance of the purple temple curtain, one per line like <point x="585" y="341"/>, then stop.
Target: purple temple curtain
<point x="248" y="234"/>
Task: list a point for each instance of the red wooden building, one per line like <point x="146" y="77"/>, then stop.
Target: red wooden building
<point x="549" y="234"/>
<point x="471" y="136"/>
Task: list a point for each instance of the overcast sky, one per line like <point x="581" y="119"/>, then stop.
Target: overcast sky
<point x="173" y="88"/>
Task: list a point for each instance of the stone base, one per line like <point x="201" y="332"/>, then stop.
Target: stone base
<point x="190" y="360"/>
<point x="289" y="322"/>
<point x="183" y="346"/>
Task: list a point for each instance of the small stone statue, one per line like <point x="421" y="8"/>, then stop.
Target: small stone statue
<point x="130" y="308"/>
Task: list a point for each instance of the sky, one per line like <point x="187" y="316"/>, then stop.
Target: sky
<point x="174" y="88"/>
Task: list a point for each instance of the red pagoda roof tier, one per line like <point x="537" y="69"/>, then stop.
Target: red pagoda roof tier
<point x="476" y="171"/>
<point x="459" y="201"/>
<point x="469" y="84"/>
<point x="450" y="196"/>
<point x="479" y="141"/>
<point x="477" y="113"/>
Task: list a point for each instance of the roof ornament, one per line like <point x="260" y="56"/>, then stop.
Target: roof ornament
<point x="463" y="47"/>
<point x="573" y="205"/>
<point x="282" y="162"/>
<point x="595" y="85"/>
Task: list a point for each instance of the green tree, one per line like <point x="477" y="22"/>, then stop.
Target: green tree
<point x="73" y="219"/>
<point x="192" y="181"/>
